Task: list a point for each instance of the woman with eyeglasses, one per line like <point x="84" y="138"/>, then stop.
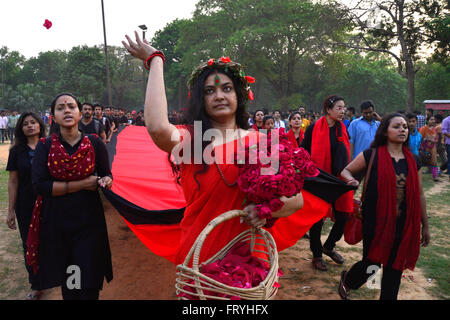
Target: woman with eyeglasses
<point x="29" y="129"/>
<point x="328" y="143"/>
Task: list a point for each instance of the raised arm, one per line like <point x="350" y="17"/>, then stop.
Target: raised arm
<point x="164" y="134"/>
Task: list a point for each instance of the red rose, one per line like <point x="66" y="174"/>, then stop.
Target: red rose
<point x="225" y="59"/>
<point x="47" y="24"/>
<point x="211" y="62"/>
<point x="276" y="204"/>
<point x="250" y="79"/>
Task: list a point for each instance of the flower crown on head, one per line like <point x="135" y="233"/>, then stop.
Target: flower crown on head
<point x="226" y="64"/>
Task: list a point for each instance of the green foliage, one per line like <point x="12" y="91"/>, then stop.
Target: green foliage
<point x="433" y="82"/>
<point x="287" y="45"/>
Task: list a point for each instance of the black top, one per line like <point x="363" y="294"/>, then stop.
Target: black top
<point x="73" y="227"/>
<point x="370" y="202"/>
<point x="339" y="155"/>
<point x="20" y="158"/>
<point x="95" y="126"/>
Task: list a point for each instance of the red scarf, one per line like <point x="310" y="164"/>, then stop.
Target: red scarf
<point x="321" y="155"/>
<point x="291" y="137"/>
<point x="62" y="167"/>
<point x="386" y="219"/>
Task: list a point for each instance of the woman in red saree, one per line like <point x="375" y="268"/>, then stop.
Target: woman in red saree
<point x="218" y="96"/>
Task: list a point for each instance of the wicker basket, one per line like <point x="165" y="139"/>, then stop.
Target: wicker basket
<point x="198" y="282"/>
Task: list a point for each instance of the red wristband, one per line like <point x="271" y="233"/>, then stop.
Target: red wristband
<point x="154" y="54"/>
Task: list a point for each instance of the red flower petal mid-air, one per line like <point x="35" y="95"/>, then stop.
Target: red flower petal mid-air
<point x="47" y="24"/>
<point x="250" y="79"/>
<point x="250" y="95"/>
<point x="225" y="59"/>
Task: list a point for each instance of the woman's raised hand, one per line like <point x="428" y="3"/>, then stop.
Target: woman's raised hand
<point x="139" y="49"/>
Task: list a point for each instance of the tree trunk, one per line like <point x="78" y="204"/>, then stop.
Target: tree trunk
<point x="410" y="75"/>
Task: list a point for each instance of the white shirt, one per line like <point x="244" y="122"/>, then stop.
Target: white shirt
<point x="4" y="122"/>
<point x="279" y="124"/>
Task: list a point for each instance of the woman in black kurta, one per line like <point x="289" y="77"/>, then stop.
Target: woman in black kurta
<point x="338" y="157"/>
<point x="73" y="229"/>
<point x="22" y="196"/>
<point x="392" y="135"/>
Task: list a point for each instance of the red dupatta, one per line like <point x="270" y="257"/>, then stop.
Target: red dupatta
<point x="291" y="137"/>
<point x="62" y="167"/>
<point x="386" y="219"/>
<point x="321" y="155"/>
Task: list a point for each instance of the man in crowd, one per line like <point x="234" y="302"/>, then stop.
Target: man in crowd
<point x="89" y="124"/>
<point x="112" y="120"/>
<point x="420" y="119"/>
<point x="12" y="121"/>
<point x="278" y="122"/>
<point x="349" y="116"/>
<point x="362" y="130"/>
<point x="305" y="121"/>
<point x="98" y="114"/>
<point x="122" y="118"/>
<point x="3" y="125"/>
<point x="415" y="138"/>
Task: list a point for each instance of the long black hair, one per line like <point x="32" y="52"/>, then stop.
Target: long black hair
<point x="20" y="140"/>
<point x="381" y="134"/>
<point x="196" y="111"/>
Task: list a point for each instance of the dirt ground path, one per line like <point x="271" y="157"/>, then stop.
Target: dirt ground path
<point x="140" y="274"/>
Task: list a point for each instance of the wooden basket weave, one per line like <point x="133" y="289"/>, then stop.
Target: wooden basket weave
<point x="265" y="246"/>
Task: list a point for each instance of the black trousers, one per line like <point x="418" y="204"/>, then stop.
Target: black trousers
<point x="335" y="235"/>
<point x="360" y="272"/>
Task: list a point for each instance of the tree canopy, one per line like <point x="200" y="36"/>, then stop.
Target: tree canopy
<point x="300" y="52"/>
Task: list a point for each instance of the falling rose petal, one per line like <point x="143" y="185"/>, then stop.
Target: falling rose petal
<point x="276" y="285"/>
<point x="250" y="95"/>
<point x="48" y="24"/>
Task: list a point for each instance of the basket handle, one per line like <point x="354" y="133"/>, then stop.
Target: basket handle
<point x="197" y="246"/>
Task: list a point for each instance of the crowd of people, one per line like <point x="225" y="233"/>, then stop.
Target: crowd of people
<point x="54" y="179"/>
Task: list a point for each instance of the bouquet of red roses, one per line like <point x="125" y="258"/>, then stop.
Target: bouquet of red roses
<point x="264" y="183"/>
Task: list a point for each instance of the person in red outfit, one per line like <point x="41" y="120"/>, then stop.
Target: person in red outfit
<point x="328" y="143"/>
<point x="295" y="134"/>
<point x="395" y="222"/>
<point x="218" y="96"/>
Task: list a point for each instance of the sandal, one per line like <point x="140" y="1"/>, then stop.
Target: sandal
<point x="34" y="295"/>
<point x="343" y="292"/>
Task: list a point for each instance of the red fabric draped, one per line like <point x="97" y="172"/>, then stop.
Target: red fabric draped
<point x="291" y="137"/>
<point x="321" y="155"/>
<point x="203" y="204"/>
<point x="62" y="167"/>
<point x="386" y="219"/>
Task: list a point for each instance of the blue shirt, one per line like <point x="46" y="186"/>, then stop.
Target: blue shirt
<point x="362" y="134"/>
<point x="415" y="139"/>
